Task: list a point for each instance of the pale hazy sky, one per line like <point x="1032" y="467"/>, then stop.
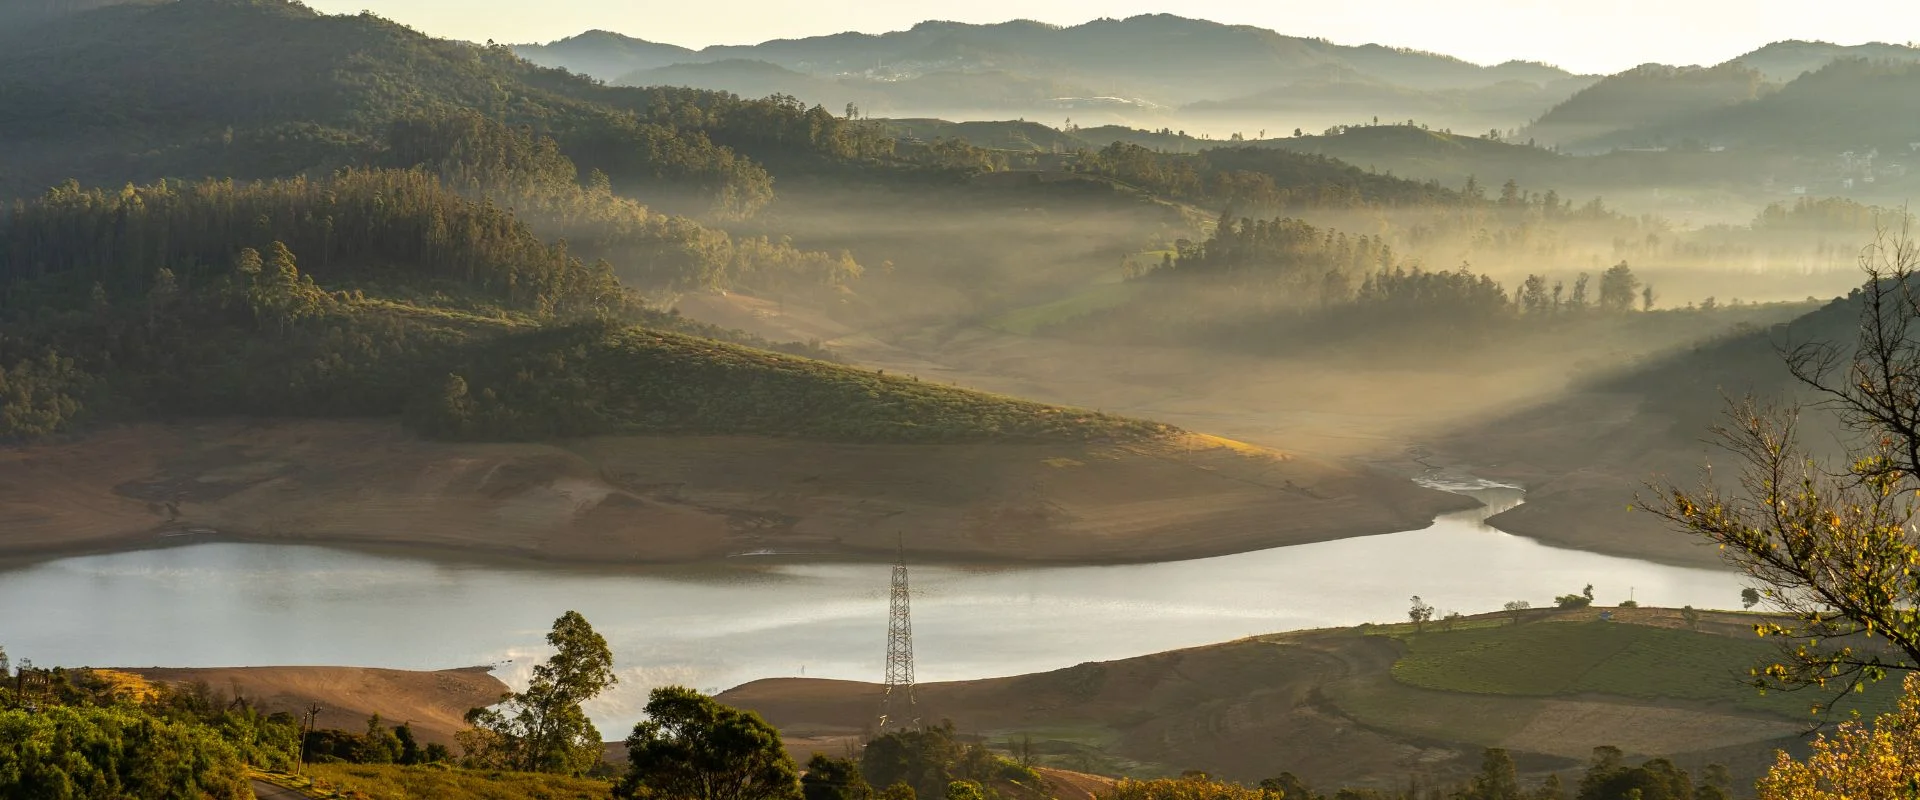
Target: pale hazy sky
<point x="1581" y="35"/>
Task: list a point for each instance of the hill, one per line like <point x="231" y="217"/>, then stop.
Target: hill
<point x="229" y="88"/>
<point x="1432" y="155"/>
<point x="1647" y="96"/>
<point x="1585" y="454"/>
<point x="1368" y="706"/>
<point x="640" y="443"/>
<point x="605" y="54"/>
<point x="1784" y="61"/>
<point x="1842" y="106"/>
<point x="434" y="703"/>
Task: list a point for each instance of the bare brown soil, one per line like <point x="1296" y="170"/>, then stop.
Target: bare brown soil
<point x="434" y="703"/>
<point x="1586" y="461"/>
<point x="1322" y="704"/>
<point x="677" y="499"/>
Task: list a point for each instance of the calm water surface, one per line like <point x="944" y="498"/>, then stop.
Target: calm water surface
<point x="716" y="627"/>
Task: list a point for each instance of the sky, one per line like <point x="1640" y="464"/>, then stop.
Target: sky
<point x="1580" y="35"/>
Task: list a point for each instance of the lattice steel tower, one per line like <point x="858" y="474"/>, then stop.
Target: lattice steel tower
<point x="897" y="709"/>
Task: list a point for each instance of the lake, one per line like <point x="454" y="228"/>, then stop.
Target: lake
<point x="712" y="627"/>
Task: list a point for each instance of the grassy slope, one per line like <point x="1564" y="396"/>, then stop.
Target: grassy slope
<point x="391" y="782"/>
<point x="1565" y="657"/>
<point x="656" y="381"/>
<point x="1371" y="705"/>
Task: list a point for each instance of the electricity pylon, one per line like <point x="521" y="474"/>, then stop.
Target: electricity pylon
<point x="897" y="709"/>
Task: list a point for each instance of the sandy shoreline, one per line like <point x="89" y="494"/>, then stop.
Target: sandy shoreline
<point x="683" y="500"/>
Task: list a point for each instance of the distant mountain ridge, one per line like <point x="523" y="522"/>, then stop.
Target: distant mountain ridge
<point x="1162" y="58"/>
<point x="1785" y="61"/>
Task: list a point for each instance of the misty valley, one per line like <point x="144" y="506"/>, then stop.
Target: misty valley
<point x="1133" y="408"/>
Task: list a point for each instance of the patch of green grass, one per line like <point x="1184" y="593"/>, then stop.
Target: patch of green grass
<point x="1024" y="321"/>
<point x="1568" y="658"/>
<point x="391" y="782"/>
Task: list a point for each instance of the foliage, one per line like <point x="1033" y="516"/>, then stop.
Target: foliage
<point x="372" y="227"/>
<point x="1581" y="600"/>
<point x="1180" y="789"/>
<point x="111" y="753"/>
<point x="1420" y="612"/>
<point x="922" y="758"/>
<point x="830" y="778"/>
<point x="1834" y="552"/>
<point x="692" y="747"/>
<point x="1269" y="285"/>
<point x="397" y="782"/>
<point x="514" y="167"/>
<point x="1880" y="760"/>
<point x="279" y="63"/>
<point x="543" y="729"/>
<point x="1266" y="179"/>
<point x="1609" y="778"/>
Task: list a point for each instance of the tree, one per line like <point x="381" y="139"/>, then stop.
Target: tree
<point x="1497" y="779"/>
<point x="410" y="752"/>
<point x="968" y="790"/>
<point x="1831" y="546"/>
<point x="1286" y="786"/>
<point x="543" y="729"/>
<point x="1647" y="297"/>
<point x="1690" y="616"/>
<point x="1581" y="600"/>
<point x="692" y="748"/>
<point x="1715" y="784"/>
<point x="1517" y="607"/>
<point x="923" y="758"/>
<point x="1749" y="597"/>
<point x="834" y="779"/>
<point x="1420" y="612"/>
<point x="1618" y="288"/>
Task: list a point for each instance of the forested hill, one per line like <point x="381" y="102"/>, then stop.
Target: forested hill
<point x="1648" y="95"/>
<point x="383" y="293"/>
<point x="1850" y="104"/>
<point x="269" y="88"/>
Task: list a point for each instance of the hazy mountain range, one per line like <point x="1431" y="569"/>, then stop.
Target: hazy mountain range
<point x="1141" y="68"/>
<point x="1163" y="70"/>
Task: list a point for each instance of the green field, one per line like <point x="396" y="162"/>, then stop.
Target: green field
<point x="1553" y="658"/>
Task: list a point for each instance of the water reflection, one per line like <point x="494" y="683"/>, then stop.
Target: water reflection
<point x="714" y="627"/>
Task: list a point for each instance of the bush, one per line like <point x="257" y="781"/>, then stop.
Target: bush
<point x="111" y="753"/>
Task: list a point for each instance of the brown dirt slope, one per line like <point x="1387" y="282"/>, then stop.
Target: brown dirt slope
<point x="1583" y="460"/>
<point x="435" y="703"/>
<point x="1322" y="704"/>
<point x="662" y="499"/>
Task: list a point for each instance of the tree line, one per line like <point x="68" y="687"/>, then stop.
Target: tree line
<point x="1270" y="284"/>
